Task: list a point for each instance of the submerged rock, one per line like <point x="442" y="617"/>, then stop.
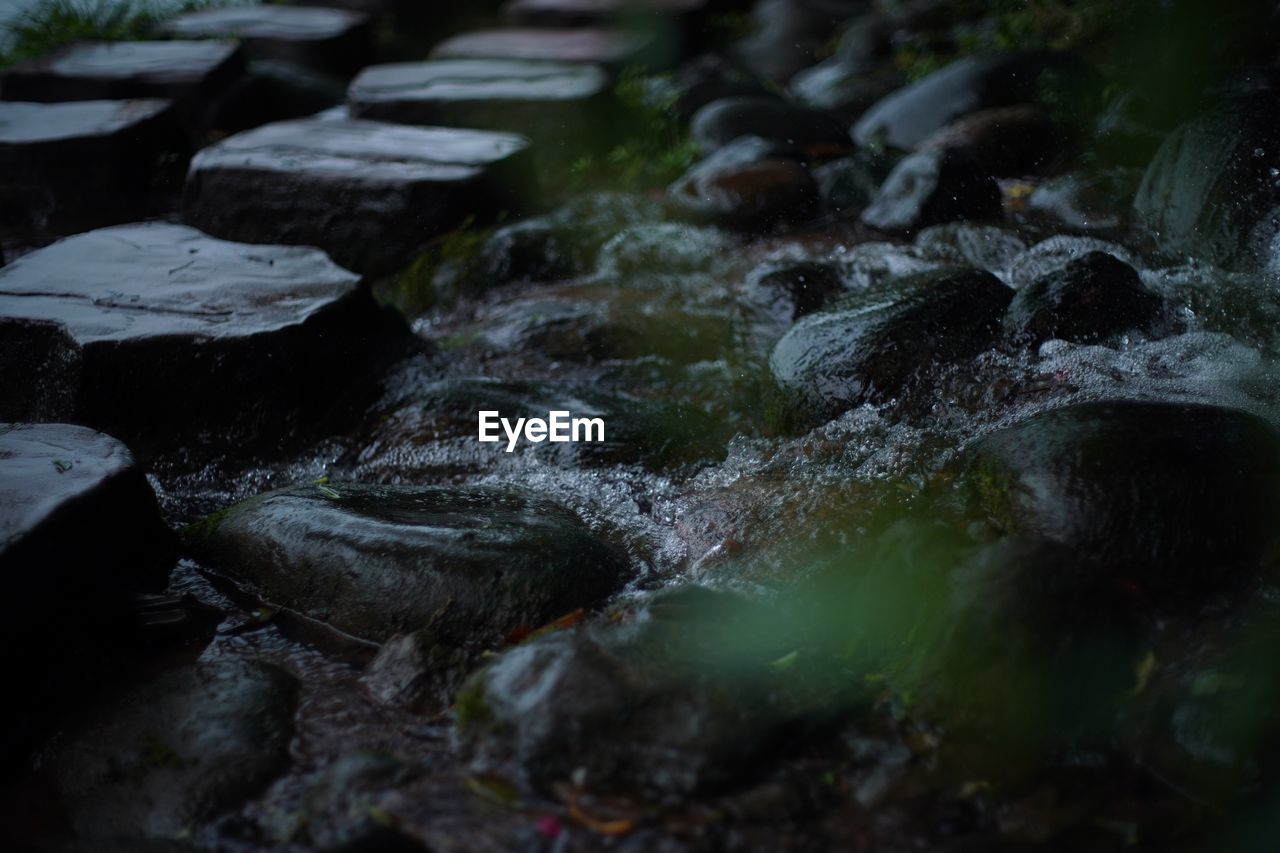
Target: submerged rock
<point x="185" y="747"/>
<point x="834" y="360"/>
<point x="368" y="193"/>
<point x="673" y="698"/>
<point x="380" y="560"/>
<point x="1091" y="299"/>
<point x="933" y="187"/>
<point x="73" y="166"/>
<point x="1180" y="499"/>
<point x="166" y="332"/>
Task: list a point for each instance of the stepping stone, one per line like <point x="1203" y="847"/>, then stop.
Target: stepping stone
<point x="611" y="48"/>
<point x="577" y="12"/>
<point x="368" y="193"/>
<point x="555" y="103"/>
<point x="83" y="164"/>
<point x="193" y="74"/>
<point x="176" y="332"/>
<point x="331" y="40"/>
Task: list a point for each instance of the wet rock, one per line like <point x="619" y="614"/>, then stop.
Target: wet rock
<point x="834" y="360"/>
<point x="805" y="286"/>
<point x="185" y="747"/>
<point x="612" y="48"/>
<point x="1090" y="300"/>
<point x="160" y="326"/>
<point x="741" y="185"/>
<point x="840" y="89"/>
<point x="933" y="187"/>
<point x="381" y="560"/>
<point x="675" y="698"/>
<point x="909" y="116"/>
<point x="664" y="247"/>
<point x="1052" y="254"/>
<point x="848" y="185"/>
<point x="272" y="90"/>
<point x="1177" y="498"/>
<point x="193" y="75"/>
<point x="572" y="13"/>
<point x="330" y="40"/>
<point x="368" y="193"/>
<point x="1003" y="141"/>
<point x="72" y="166"/>
<point x="986" y="247"/>
<point x="1086" y="202"/>
<point x="787" y="33"/>
<point x="560" y="105"/>
<point x="703" y="80"/>
<point x="343" y="804"/>
<point x="721" y="122"/>
<point x="1212" y="185"/>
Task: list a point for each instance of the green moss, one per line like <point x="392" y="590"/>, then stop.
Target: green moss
<point x="205" y="527"/>
<point x="449" y="267"/>
<point x="470" y="708"/>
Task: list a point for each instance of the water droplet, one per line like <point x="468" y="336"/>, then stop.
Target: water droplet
<point x="1258" y="152"/>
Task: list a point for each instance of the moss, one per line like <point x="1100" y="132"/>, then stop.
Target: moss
<point x="470" y="708"/>
<point x="449" y="267"/>
<point x="204" y="528"/>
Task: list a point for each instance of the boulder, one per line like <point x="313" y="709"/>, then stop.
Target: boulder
<point x="559" y="105"/>
<point x="380" y="560"/>
<point x="1003" y="141"/>
<point x="187" y="746"/>
<point x="720" y="122"/>
<point x="933" y="187"/>
<point x="69" y="167"/>
<point x="158" y="333"/>
<point x="1090" y="300"/>
<point x="834" y="360"/>
<point x="330" y="40"/>
<point x="368" y="193"/>
<point x="741" y="185"/>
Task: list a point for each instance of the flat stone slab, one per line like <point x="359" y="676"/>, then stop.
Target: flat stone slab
<point x="83" y="164"/>
<point x="571" y="12"/>
<point x="191" y="73"/>
<point x="176" y="331"/>
<point x="613" y="48"/>
<point x="370" y="194"/>
<point x="331" y="40"/>
<point x="549" y="101"/>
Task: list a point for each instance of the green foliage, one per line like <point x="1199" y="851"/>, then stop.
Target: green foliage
<point x="447" y="268"/>
<point x="54" y="23"/>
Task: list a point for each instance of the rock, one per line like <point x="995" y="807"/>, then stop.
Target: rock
<point x="906" y="118"/>
<point x="182" y="748"/>
<point x="721" y="122"/>
<point x="72" y="166"/>
<point x="193" y="75"/>
<point x="272" y="90"/>
<point x="986" y="247"/>
<point x="559" y="105"/>
<point x="1052" y="254"/>
<point x="1003" y="141"/>
<point x="614" y="49"/>
<point x="1090" y="300"/>
<point x="1212" y="185"/>
<point x="838" y="88"/>
<point x="675" y="698"/>
<point x="575" y="13"/>
<point x="343" y="805"/>
<point x="1178" y="499"/>
<point x="329" y="40"/>
<point x="370" y="194"/>
<point x="380" y="560"/>
<point x="930" y="188"/>
<point x="702" y="80"/>
<point x="742" y="186"/>
<point x="848" y="185"/>
<point x="787" y="33"/>
<point x="175" y="333"/>
<point x="1080" y="201"/>
<point x="659" y="248"/>
<point x="834" y="360"/>
<point x="775" y="295"/>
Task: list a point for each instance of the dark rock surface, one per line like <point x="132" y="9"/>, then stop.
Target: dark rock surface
<point x="848" y="184"/>
<point x="559" y="105"/>
<point x="560" y="13"/>
<point x="330" y="40"/>
<point x="379" y="560"/>
<point x="834" y="360"/>
<point x="906" y="118"/>
<point x="71" y="166"/>
<point x="1003" y="141"/>
<point x="933" y="187"/>
<point x="1090" y="300"/>
<point x="744" y="185"/>
<point x="612" y="48"/>
<point x="194" y="75"/>
<point x="720" y="122"/>
<point x="368" y="193"/>
<point x="1091" y="202"/>
<point x="1179" y="498"/>
<point x="167" y="324"/>
<point x="184" y="747"/>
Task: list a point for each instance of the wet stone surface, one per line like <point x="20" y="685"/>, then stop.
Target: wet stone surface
<point x="83" y="164"/>
<point x="160" y="318"/>
<point x="330" y="40"/>
<point x="368" y="193"/>
<point x="613" y="49"/>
